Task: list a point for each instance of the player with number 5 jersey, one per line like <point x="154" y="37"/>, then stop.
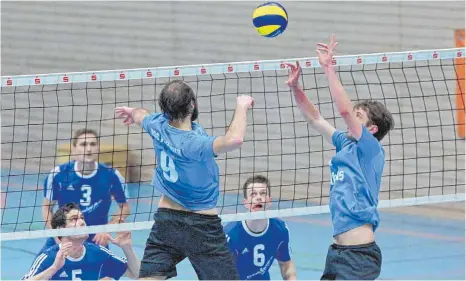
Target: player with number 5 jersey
<point x="186" y="223"/>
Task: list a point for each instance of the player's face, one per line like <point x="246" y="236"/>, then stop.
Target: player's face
<point x="87" y="148"/>
<point x="258" y="197"/>
<point x="76" y="219"/>
<point x="362" y="117"/>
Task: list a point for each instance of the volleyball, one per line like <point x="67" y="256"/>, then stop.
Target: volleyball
<point x="270" y="19"/>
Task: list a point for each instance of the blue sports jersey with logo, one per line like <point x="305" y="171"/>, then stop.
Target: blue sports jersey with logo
<point x="92" y="192"/>
<point x="95" y="263"/>
<point x="356" y="175"/>
<point x="254" y="253"/>
<point x="186" y="170"/>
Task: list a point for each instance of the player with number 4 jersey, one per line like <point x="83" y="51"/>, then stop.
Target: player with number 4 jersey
<point x="89" y="184"/>
<point x="255" y="244"/>
<point x="186" y="223"/>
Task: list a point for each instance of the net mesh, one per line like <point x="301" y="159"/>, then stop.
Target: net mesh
<point x="424" y="153"/>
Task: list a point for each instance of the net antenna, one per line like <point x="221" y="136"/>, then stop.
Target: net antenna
<point x="425" y="153"/>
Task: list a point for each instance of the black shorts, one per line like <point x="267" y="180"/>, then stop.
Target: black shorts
<point x="361" y="262"/>
<point x="177" y="235"/>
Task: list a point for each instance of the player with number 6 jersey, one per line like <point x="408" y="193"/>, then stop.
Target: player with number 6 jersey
<point x="89" y="184"/>
<point x="255" y="244"/>
<point x="186" y="223"/>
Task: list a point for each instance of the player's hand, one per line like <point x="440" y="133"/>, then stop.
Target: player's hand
<point x="122" y="239"/>
<point x="126" y="113"/>
<point x="61" y="255"/>
<point x="325" y="52"/>
<point x="101" y="239"/>
<point x="245" y="101"/>
<point x="293" y="77"/>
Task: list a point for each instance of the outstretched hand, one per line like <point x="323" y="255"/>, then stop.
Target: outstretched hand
<point x="293" y="77"/>
<point x="122" y="239"/>
<point x="125" y="113"/>
<point x="325" y="52"/>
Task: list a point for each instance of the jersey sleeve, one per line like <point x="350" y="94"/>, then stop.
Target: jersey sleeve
<point x="368" y="145"/>
<point x="113" y="266"/>
<point x="284" y="250"/>
<point x="51" y="186"/>
<point x="198" y="147"/>
<point x="148" y="122"/>
<point x="119" y="188"/>
<point x="340" y="140"/>
<point x="231" y="238"/>
<point x="40" y="264"/>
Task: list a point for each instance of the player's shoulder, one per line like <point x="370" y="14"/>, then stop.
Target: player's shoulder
<point x="232" y="228"/>
<point x="198" y="129"/>
<point x="105" y="168"/>
<point x="279" y="225"/>
<point x="49" y="253"/>
<point x="155" y="117"/>
<point x="64" y="167"/>
<point x="96" y="250"/>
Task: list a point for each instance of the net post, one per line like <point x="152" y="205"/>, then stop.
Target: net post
<point x="460" y="86"/>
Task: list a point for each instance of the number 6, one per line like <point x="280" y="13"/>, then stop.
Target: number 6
<point x="259" y="258"/>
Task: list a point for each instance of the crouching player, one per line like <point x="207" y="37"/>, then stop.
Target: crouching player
<point x="255" y="244"/>
<point x="75" y="259"/>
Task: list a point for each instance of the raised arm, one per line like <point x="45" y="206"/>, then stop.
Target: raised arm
<point x="307" y="108"/>
<point x="234" y="137"/>
<point x="131" y="115"/>
<point x="340" y="97"/>
<point x="123" y="240"/>
<point x="41" y="268"/>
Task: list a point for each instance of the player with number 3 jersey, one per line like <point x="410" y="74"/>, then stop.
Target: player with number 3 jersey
<point x="255" y="244"/>
<point x="89" y="184"/>
<point x="186" y="223"/>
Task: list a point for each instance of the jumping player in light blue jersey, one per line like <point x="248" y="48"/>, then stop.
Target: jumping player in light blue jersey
<point x="75" y="259"/>
<point x="186" y="223"/>
<point x="89" y="184"/>
<point x="356" y="173"/>
<point x="256" y="244"/>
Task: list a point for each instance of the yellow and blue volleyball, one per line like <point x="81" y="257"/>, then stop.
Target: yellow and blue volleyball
<point x="270" y="19"/>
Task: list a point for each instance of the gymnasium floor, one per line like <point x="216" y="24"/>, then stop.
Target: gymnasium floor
<point x="416" y="243"/>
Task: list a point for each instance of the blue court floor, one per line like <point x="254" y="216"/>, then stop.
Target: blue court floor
<point x="413" y="247"/>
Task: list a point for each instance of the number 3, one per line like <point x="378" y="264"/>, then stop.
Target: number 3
<point x="168" y="167"/>
<point x="86" y="192"/>
<point x="259" y="258"/>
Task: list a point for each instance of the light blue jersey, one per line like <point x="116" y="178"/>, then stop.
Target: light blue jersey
<point x="95" y="263"/>
<point x="356" y="174"/>
<point x="186" y="170"/>
<point x="254" y="253"/>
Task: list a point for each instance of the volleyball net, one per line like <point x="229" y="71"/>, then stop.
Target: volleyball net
<point x="425" y="153"/>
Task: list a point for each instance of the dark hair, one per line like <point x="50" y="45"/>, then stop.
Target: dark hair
<point x="378" y="115"/>
<point x="59" y="217"/>
<point x="176" y="101"/>
<point x="83" y="131"/>
<point x="256" y="179"/>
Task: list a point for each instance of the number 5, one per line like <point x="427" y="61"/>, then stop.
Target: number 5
<point x="259" y="258"/>
<point x="74" y="274"/>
